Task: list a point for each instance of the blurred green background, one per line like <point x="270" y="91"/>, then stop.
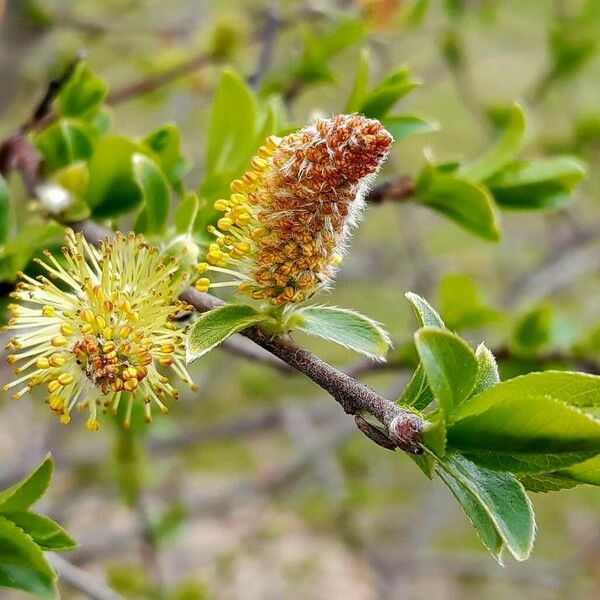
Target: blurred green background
<point x="259" y="487"/>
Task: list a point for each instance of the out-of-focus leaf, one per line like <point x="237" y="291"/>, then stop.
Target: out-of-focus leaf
<point x="544" y="184"/>
<point x="403" y="126"/>
<point x="112" y="189"/>
<point x="186" y="213"/>
<point x="5" y="211"/>
<point x="83" y="94"/>
<point x="359" y="88"/>
<point x="155" y="194"/>
<point x="345" y="327"/>
<point x="29" y="490"/>
<point x="382" y="98"/>
<point x="505" y="150"/>
<point x="165" y="142"/>
<point x="466" y="203"/>
<point x="64" y="143"/>
<point x="534" y="330"/>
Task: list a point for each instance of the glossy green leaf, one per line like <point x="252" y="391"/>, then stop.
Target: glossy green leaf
<point x="450" y="366"/>
<point x="215" y="326"/>
<point x="155" y="195"/>
<point x="425" y="313"/>
<point x="5" y="211"/>
<point x="417" y="392"/>
<point x="359" y="88"/>
<point x="83" y="94"/>
<point x="47" y="534"/>
<point x="22" y="564"/>
<point x="112" y="189"/>
<point x="505" y="150"/>
<point x="29" y="490"/>
<point x="541" y="483"/>
<point x="585" y="472"/>
<point x="466" y="203"/>
<point x="165" y="142"/>
<point x="186" y="213"/>
<point x="232" y="125"/>
<point x="498" y="495"/>
<point x="544" y="184"/>
<point x="402" y="126"/>
<point x="345" y="327"/>
<point x="63" y="143"/>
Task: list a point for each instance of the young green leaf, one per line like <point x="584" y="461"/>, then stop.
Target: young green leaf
<point x="155" y="194"/>
<point x="506" y="148"/>
<point x="585" y="472"/>
<point x="112" y="189"/>
<point x="345" y="327"/>
<point x="468" y="204"/>
<point x="384" y="96"/>
<point x="498" y="495"/>
<point x="544" y="184"/>
<point x="450" y="366"/>
<point x="83" y="94"/>
<point x="5" y="211"/>
<point x="425" y="313"/>
<point x="47" y="534"/>
<point x="487" y="370"/>
<point x="232" y="125"/>
<point x="215" y="326"/>
<point x="165" y="142"/>
<point x="402" y="126"/>
<point x="541" y="483"/>
<point x="29" y="490"/>
<point x="63" y="143"/>
<point x="22" y="564"/>
<point x="417" y="392"/>
<point x="359" y="88"/>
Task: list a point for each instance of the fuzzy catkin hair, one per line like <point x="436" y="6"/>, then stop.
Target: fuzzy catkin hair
<point x="288" y="219"/>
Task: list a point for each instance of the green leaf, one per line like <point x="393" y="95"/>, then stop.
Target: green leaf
<point x="506" y="148"/>
<point x="165" y="142"/>
<point x="112" y="189"/>
<point x="232" y="125"/>
<point x="450" y="366"/>
<point x="155" y="194"/>
<point x="215" y="326"/>
<point x="526" y="427"/>
<point x="359" y="88"/>
<point x="487" y="370"/>
<point x="499" y="496"/>
<point x="83" y="94"/>
<point x="425" y="314"/>
<point x="29" y="490"/>
<point x="417" y="392"/>
<point x="468" y="204"/>
<point x="22" y="564"/>
<point x="542" y="483"/>
<point x="461" y="304"/>
<point x="385" y="95"/>
<point x="544" y="184"/>
<point x="47" y="534"/>
<point x="186" y="213"/>
<point x="585" y="472"/>
<point x="402" y="126"/>
<point x="63" y="143"/>
<point x="345" y="327"/>
<point x="5" y="210"/>
<point x="533" y="330"/>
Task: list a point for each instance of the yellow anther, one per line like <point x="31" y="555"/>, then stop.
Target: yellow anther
<point x="100" y="322"/>
<point x="238" y="199"/>
<point x="42" y="363"/>
<point x="53" y="386"/>
<point x="56" y="360"/>
<point x="55" y="403"/>
<point x="243" y="220"/>
<point x="264" y="152"/>
<point x="92" y="424"/>
<point x="59" y="341"/>
<point x="11" y="359"/>
<point x="65" y="419"/>
<point x="66" y="329"/>
<point x="130" y="385"/>
<point x="168" y="348"/>
<point x="125" y="331"/>
<point x="245" y="287"/>
<point x="201" y="267"/>
<point x="48" y="311"/>
<point x="237" y="186"/>
<point x="203" y="284"/>
<point x="108" y="347"/>
<point x="65" y="379"/>
<point x="260" y="164"/>
<point x="166" y="361"/>
<point x="87" y="329"/>
<point x="272" y="142"/>
<point x="87" y="315"/>
<point x="107" y="333"/>
<point x="221" y="205"/>
<point x="224" y="224"/>
<point x="117" y="386"/>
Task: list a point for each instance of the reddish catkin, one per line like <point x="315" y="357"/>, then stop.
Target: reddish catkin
<point x="288" y="219"/>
